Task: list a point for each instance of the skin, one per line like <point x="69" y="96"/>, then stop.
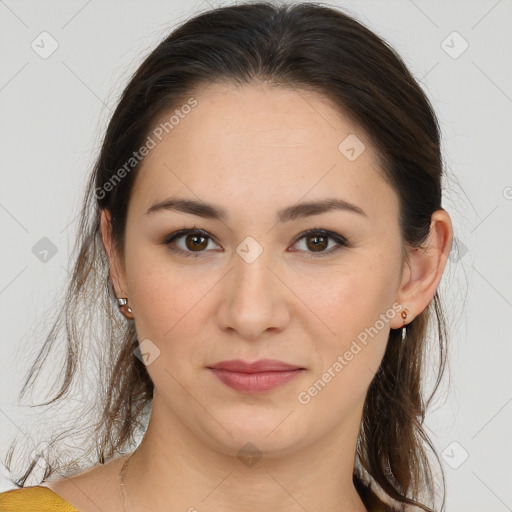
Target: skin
<point x="253" y="151"/>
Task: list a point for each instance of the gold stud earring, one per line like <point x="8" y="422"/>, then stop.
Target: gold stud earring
<point x="404" y="314"/>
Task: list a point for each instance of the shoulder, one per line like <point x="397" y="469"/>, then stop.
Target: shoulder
<point x="94" y="490"/>
<point x="84" y="492"/>
<point x="35" y="498"/>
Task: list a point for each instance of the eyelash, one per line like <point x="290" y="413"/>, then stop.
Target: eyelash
<point x="340" y="240"/>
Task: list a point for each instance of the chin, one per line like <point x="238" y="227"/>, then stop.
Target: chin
<point x="269" y="433"/>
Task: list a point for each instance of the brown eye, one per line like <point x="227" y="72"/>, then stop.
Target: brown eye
<point x="194" y="241"/>
<point x="317" y="240"/>
<point x="318" y="243"/>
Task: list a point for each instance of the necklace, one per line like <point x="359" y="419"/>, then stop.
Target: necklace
<point x="122" y="475"/>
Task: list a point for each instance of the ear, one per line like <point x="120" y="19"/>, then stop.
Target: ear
<point x="116" y="272"/>
<point x="424" y="267"/>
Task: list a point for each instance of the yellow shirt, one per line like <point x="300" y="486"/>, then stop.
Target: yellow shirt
<point x="33" y="499"/>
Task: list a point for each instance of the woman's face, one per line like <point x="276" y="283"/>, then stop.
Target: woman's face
<point x="255" y="287"/>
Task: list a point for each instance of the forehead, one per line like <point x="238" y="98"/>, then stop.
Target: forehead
<point x="258" y="145"/>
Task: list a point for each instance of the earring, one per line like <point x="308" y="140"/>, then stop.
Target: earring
<point x="124" y="308"/>
<point x="403" y="314"/>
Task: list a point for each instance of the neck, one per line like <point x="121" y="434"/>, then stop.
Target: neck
<point x="173" y="469"/>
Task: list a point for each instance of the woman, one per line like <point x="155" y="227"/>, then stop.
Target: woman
<point x="266" y="213"/>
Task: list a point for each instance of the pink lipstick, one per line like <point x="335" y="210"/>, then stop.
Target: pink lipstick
<point x="255" y="377"/>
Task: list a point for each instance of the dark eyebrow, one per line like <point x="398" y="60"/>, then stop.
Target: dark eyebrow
<point x="210" y="211"/>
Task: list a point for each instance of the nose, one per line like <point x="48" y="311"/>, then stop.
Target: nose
<point x="254" y="297"/>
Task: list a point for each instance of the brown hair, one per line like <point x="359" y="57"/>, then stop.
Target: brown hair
<point x="309" y="46"/>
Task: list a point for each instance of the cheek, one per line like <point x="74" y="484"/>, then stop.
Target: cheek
<point x="351" y="299"/>
<point x="166" y="299"/>
<point x="355" y="308"/>
<point x="345" y="363"/>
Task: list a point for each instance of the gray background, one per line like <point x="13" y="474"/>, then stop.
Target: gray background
<point x="54" y="111"/>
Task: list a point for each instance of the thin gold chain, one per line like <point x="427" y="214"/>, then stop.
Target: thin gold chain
<point x="122" y="475"/>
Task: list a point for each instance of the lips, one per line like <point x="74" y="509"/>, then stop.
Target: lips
<point x="256" y="377"/>
<point x="262" y="365"/>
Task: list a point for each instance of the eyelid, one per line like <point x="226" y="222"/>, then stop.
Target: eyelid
<point x="340" y="240"/>
<point x="183" y="232"/>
